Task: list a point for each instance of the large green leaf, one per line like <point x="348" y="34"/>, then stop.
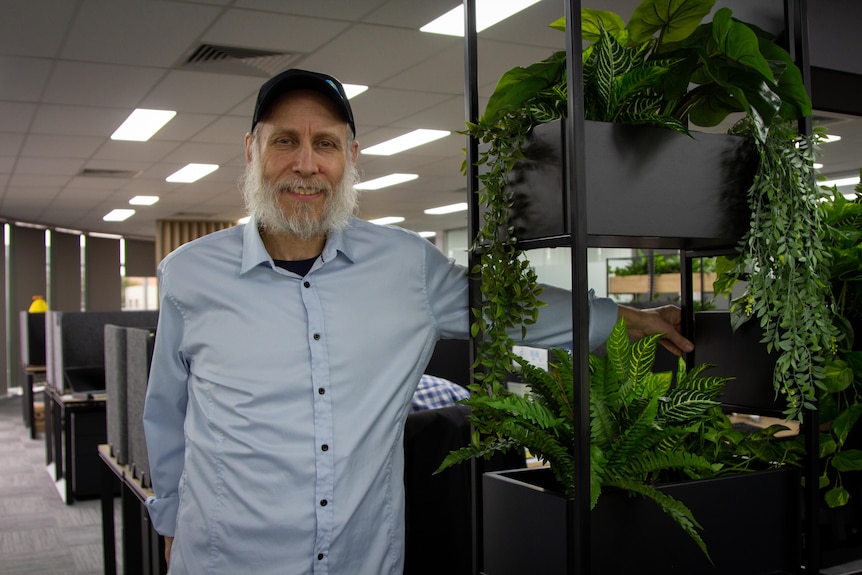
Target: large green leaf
<point x="519" y="84"/>
<point x="675" y="20"/>
<point x="592" y="21"/>
<point x="795" y="102"/>
<point x="847" y="460"/>
<point x="843" y="424"/>
<point x="738" y="43"/>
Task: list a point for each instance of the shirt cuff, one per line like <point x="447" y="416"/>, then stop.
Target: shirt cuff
<point x="163" y="514"/>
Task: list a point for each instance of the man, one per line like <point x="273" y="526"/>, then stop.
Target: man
<point x="287" y="352"/>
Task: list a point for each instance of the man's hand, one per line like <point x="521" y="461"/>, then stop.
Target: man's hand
<point x="169" y="541"/>
<point x="665" y="319"/>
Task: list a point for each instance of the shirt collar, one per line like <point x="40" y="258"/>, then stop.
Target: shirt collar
<point x="254" y="253"/>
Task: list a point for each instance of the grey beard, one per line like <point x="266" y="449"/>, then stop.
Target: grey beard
<point x="261" y="200"/>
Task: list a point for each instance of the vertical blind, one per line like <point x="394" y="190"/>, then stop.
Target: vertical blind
<point x="171" y="234"/>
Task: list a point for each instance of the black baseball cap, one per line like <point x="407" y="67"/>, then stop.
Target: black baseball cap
<point x="295" y="79"/>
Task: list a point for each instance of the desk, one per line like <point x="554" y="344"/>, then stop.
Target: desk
<point x="143" y="548"/>
<point x="31" y="374"/>
<point x="74" y="428"/>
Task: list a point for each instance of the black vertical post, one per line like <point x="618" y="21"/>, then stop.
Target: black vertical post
<point x="796" y="22"/>
<point x="578" y="560"/>
<point x="471" y="86"/>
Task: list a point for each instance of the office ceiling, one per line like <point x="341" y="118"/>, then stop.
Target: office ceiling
<point x="72" y="70"/>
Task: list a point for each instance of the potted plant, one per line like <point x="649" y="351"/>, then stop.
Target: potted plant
<point x="659" y="75"/>
<point x="667" y="441"/>
<point x="840" y="396"/>
<point x="657" y="273"/>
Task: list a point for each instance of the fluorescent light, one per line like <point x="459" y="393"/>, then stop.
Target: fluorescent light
<point x="840" y="182"/>
<point x="142" y="124"/>
<point x="144" y="200"/>
<point x="843" y="182"/>
<point x="118" y="215"/>
<point x="386" y="181"/>
<point x="450" y="209"/>
<point x="192" y="173"/>
<point x="243" y="220"/>
<point x="405" y="142"/>
<point x="818" y="166"/>
<point x="427" y="234"/>
<point x="353" y="90"/>
<point x="106" y="236"/>
<point x="829" y="138"/>
<point x="488" y="13"/>
<point x="386" y="221"/>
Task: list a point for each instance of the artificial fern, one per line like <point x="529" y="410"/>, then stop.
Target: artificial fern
<point x="643" y="429"/>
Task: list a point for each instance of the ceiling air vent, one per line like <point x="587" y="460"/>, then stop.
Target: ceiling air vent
<point x="100" y="173"/>
<point x="243" y="61"/>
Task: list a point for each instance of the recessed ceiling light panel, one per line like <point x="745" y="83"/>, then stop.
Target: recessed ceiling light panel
<point x="191" y="173"/>
<point x="142" y="124"/>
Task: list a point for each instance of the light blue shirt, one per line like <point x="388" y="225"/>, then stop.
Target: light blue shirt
<point x="276" y="403"/>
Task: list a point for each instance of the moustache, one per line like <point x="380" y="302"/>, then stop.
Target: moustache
<point x="294" y="184"/>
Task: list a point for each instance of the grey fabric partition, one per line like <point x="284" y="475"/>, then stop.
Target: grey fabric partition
<point x="139" y="350"/>
<point x="77" y="339"/>
<point x="115" y="389"/>
<point x="32" y="330"/>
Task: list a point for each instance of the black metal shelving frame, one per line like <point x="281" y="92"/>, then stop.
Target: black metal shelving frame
<point x="578" y="559"/>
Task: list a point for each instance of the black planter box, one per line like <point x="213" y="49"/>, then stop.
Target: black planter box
<point x="738" y="354"/>
<point x="750" y="522"/>
<point x="641" y="182"/>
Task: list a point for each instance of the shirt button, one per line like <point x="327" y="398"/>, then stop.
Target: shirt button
<point x="321" y="391"/>
<point x="320" y="556"/>
<point x="324" y="447"/>
<point x="307" y="284"/>
<point x="323" y="502"/>
<point x="316" y="336"/>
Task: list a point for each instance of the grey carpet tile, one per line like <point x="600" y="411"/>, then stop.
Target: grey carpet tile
<point x="39" y="533"/>
<point x="24" y="504"/>
<point x="30" y="540"/>
<point x="87" y="557"/>
<point x="46" y="562"/>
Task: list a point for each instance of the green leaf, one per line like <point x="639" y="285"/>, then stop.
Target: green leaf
<point x="847" y="460"/>
<point x="837" y="497"/>
<point x="519" y="84"/>
<point x="837" y="376"/>
<point x="737" y="42"/>
<point x="592" y="21"/>
<point x="675" y="20"/>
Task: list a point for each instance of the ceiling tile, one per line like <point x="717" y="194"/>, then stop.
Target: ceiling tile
<point x="21" y="20"/>
<point x="84" y="84"/>
<point x="123" y="32"/>
<point x="78" y="120"/>
<point x="23" y="79"/>
<point x="16" y="116"/>
<point x="57" y="146"/>
<point x="200" y="92"/>
<point x="347" y="10"/>
<point x="266" y="31"/>
<point x="49" y="166"/>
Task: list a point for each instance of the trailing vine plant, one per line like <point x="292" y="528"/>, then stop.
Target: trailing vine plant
<point x="509" y="289"/>
<point x="667" y="68"/>
<point x="785" y="263"/>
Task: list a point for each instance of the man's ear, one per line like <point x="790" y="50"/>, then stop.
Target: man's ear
<point x="249" y="142"/>
<point x="354" y="151"/>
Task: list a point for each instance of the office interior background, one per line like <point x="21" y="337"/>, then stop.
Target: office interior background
<point x="72" y="71"/>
